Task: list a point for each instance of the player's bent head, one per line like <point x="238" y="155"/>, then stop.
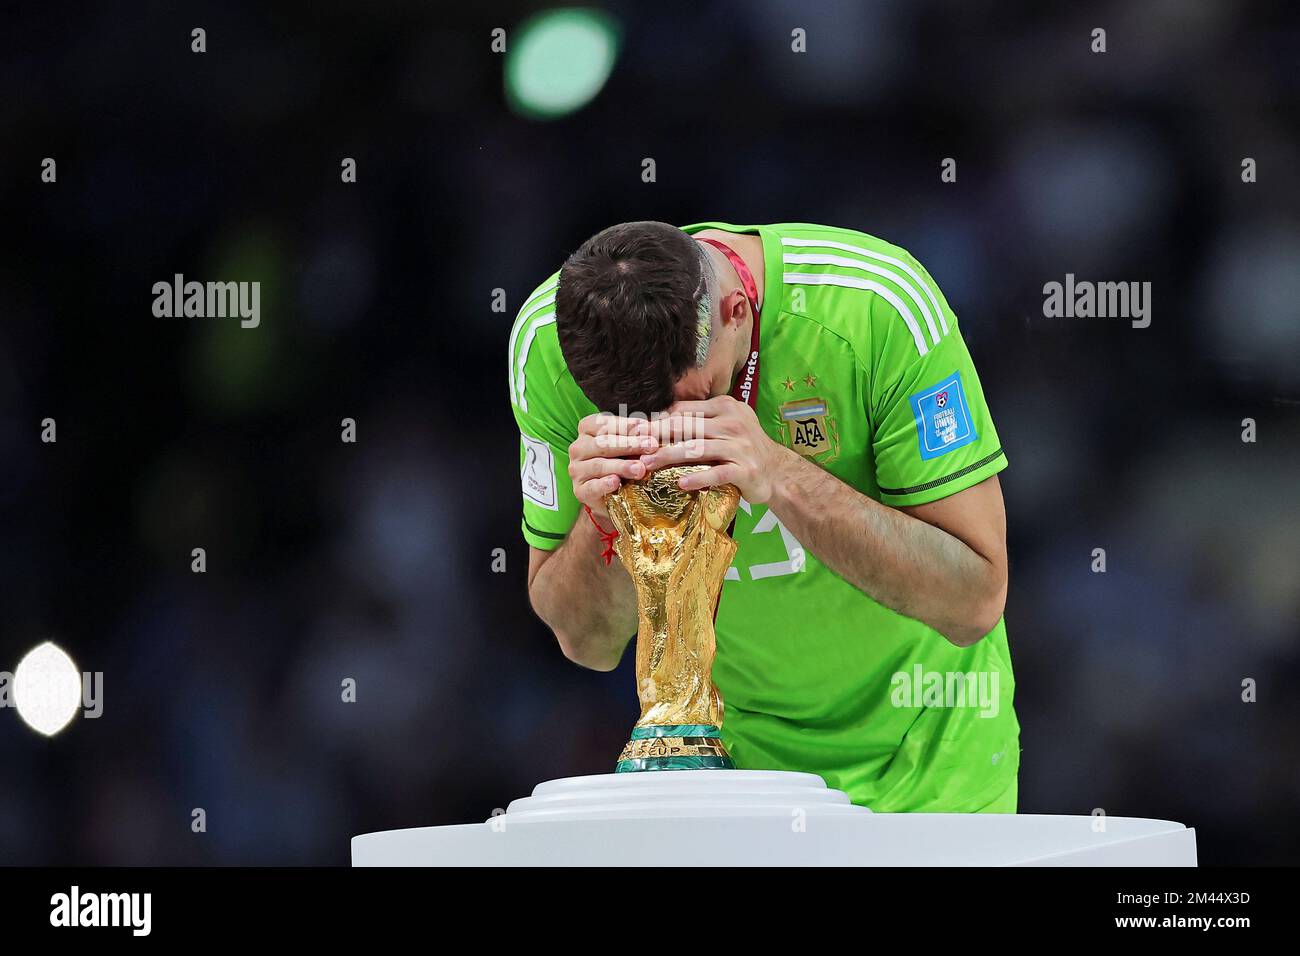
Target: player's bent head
<point x="633" y="312"/>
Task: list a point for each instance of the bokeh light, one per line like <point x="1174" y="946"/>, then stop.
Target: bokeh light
<point x="47" y="689"/>
<point x="558" y="61"/>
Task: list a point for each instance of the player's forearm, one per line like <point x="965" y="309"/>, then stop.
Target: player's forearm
<point x="588" y="605"/>
<point x="907" y="565"/>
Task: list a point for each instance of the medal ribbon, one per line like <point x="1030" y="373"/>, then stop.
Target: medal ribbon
<point x="746" y="387"/>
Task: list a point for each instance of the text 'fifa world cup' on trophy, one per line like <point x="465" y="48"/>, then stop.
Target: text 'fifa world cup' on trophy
<point x="675" y="545"/>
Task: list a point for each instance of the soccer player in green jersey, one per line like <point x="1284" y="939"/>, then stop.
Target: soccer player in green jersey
<point x="859" y="632"/>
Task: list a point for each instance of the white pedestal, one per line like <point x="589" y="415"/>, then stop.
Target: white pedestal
<point x="762" y="818"/>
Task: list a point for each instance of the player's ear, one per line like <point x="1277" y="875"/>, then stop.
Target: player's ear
<point x="733" y="308"/>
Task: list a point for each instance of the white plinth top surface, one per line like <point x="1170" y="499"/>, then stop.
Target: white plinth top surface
<point x="680" y="793"/>
<point x="761" y="817"/>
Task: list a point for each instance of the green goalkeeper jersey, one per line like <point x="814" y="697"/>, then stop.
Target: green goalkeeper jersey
<point x="862" y="370"/>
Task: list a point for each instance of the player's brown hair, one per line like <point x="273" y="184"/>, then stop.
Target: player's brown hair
<point x="628" y="311"/>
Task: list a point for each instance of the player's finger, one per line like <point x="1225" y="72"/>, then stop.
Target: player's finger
<point x="686" y="453"/>
<point x="603" y="423"/>
<point x="681" y="426"/>
<point x="623" y="444"/>
<point x="708" y="478"/>
<point x="611" y="446"/>
<point x="593" y="492"/>
<point x="588" y="468"/>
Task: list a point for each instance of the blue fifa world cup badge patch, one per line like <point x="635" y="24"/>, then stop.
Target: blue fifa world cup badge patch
<point x="942" y="415"/>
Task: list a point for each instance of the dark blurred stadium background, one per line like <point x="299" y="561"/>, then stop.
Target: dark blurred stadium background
<point x="374" y="560"/>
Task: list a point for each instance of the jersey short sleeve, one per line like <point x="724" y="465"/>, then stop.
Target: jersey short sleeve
<point x="547" y="405"/>
<point x="933" y="435"/>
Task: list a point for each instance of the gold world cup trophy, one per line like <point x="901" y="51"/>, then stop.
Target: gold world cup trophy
<point x="676" y="547"/>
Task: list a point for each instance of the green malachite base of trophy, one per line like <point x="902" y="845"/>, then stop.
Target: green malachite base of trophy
<point x="674" y="747"/>
<point x="676" y="548"/>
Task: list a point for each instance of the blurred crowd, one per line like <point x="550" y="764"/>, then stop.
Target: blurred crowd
<point x="374" y="560"/>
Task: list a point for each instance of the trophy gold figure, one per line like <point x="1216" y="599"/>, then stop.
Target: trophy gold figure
<point x="676" y="547"/>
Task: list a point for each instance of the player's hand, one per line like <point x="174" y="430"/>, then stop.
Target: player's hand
<point x="606" y="452"/>
<point x="721" y="431"/>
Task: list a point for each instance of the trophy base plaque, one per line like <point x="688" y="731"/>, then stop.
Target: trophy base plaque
<point x="674" y="747"/>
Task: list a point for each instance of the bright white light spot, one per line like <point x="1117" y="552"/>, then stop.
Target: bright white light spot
<point x="47" y="689"/>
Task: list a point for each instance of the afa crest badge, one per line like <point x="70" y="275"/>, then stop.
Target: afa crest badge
<point x="809" y="428"/>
